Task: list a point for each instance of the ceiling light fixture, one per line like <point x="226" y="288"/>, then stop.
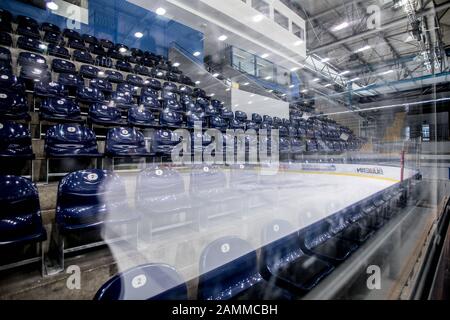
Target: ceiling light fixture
<point x="258" y="18"/>
<point x="161" y="11"/>
<point x="343" y="73"/>
<point x="246" y="83"/>
<point x="197" y="82"/>
<point x="363" y="49"/>
<point x="176" y="64"/>
<point x="355" y="79"/>
<point x="215" y="75"/>
<point x="316" y="80"/>
<point x="52" y="5"/>
<point x="297" y="43"/>
<point x="294" y="69"/>
<point x="341" y="26"/>
<point x="222" y="38"/>
<point x="196" y="53"/>
<point x="138" y="35"/>
<point x="328" y="85"/>
<point x="268" y="78"/>
<point x="325" y="60"/>
<point x="265" y="55"/>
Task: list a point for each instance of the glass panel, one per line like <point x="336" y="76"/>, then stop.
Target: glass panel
<point x="281" y="19"/>
<point x="262" y="6"/>
<point x="243" y="61"/>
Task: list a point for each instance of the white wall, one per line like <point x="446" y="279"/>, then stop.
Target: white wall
<point x="259" y="104"/>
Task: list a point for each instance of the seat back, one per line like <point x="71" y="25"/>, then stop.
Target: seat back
<point x="140" y="115"/>
<point x="146" y="282"/>
<point x="15" y="140"/>
<point x="60" y="108"/>
<point x="207" y="179"/>
<point x="70" y="140"/>
<point x="99" y="112"/>
<point x="226" y="263"/>
<point x="170" y="118"/>
<point x="315" y="234"/>
<point x="20" y="216"/>
<point x="281" y="241"/>
<point x="124" y="142"/>
<point x="12" y="104"/>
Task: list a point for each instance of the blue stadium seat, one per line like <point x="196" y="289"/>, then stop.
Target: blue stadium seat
<point x="192" y="107"/>
<point x="89" y="72"/>
<point x="347" y="225"/>
<point x="49" y="89"/>
<point x="151" y="103"/>
<point x="228" y="270"/>
<point x="210" y="111"/>
<point x="142" y="70"/>
<point x="8" y="81"/>
<point x="114" y="76"/>
<point x="58" y="51"/>
<point x="172" y="77"/>
<point x="146" y="282"/>
<point x="5" y="39"/>
<point x="34" y="74"/>
<point x="164" y="141"/>
<point x="284" y="146"/>
<point x="89" y="39"/>
<point x="172" y="105"/>
<point x="102" y="85"/>
<point x="28" y="31"/>
<point x="5" y="55"/>
<point x="106" y="43"/>
<point x="83" y="56"/>
<point x="32" y="59"/>
<point x="122" y="100"/>
<point x="185" y="90"/>
<point x="13" y="105"/>
<point x="135" y="80"/>
<point x="319" y="240"/>
<point x="169" y="118"/>
<point x="105" y="115"/>
<point x="158" y="73"/>
<point x="236" y="124"/>
<point x="76" y="44"/>
<point x="5" y="25"/>
<point x="89" y="199"/>
<point x="89" y="95"/>
<point x="140" y="116"/>
<point x="71" y="34"/>
<point x="70" y="81"/>
<point x="226" y="113"/>
<point x="202" y="102"/>
<point x="71" y="140"/>
<point x="127" y="88"/>
<point x="193" y="117"/>
<point x="169" y="95"/>
<point x="297" y="146"/>
<point x="20" y="219"/>
<point x="218" y="105"/>
<point x="153" y="83"/>
<point x="218" y="123"/>
<point x="124" y="66"/>
<point x="60" y="110"/>
<point x="125" y="142"/>
<point x="15" y="141"/>
<point x="31" y="44"/>
<point x="97" y="50"/>
<point x="146" y="91"/>
<point x="187" y="81"/>
<point x="162" y="200"/>
<point x="170" y="86"/>
<point x="63" y="66"/>
<point x="285" y="264"/>
<point x="53" y="38"/>
<point x="46" y="27"/>
<point x="240" y="116"/>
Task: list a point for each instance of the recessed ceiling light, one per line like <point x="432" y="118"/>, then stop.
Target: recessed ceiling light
<point x="316" y="80"/>
<point x="265" y="55"/>
<point x="270" y="91"/>
<point x="294" y="69"/>
<point x="363" y="49"/>
<point x="355" y="79"/>
<point x="386" y="72"/>
<point x="215" y="75"/>
<point x="197" y="53"/>
<point x="343" y="73"/>
<point x="236" y="105"/>
<point x="341" y="26"/>
<point x="305" y="91"/>
<point x="252" y="95"/>
<point x="197" y="82"/>
<point x="246" y="83"/>
<point x="52" y="5"/>
<point x="161" y="11"/>
<point x="176" y="64"/>
<point x="284" y="95"/>
<point x="222" y="38"/>
<point x="268" y="78"/>
<point x="228" y="89"/>
<point x="138" y="35"/>
<point x="291" y="86"/>
<point x="328" y="85"/>
<point x="258" y="18"/>
<point x="297" y="43"/>
<point x="325" y="60"/>
<point x="212" y="94"/>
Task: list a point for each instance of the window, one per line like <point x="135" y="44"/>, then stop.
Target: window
<point x="281" y="19"/>
<point x="407" y="133"/>
<point x="298" y="31"/>
<point x="426" y="132"/>
<point x="243" y="61"/>
<point x="262" y="6"/>
<point x="265" y="69"/>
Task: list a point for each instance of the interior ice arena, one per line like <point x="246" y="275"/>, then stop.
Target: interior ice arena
<point x="224" y="150"/>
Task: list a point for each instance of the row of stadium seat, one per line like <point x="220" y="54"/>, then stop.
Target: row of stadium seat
<point x="93" y="198"/>
<point x="77" y="140"/>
